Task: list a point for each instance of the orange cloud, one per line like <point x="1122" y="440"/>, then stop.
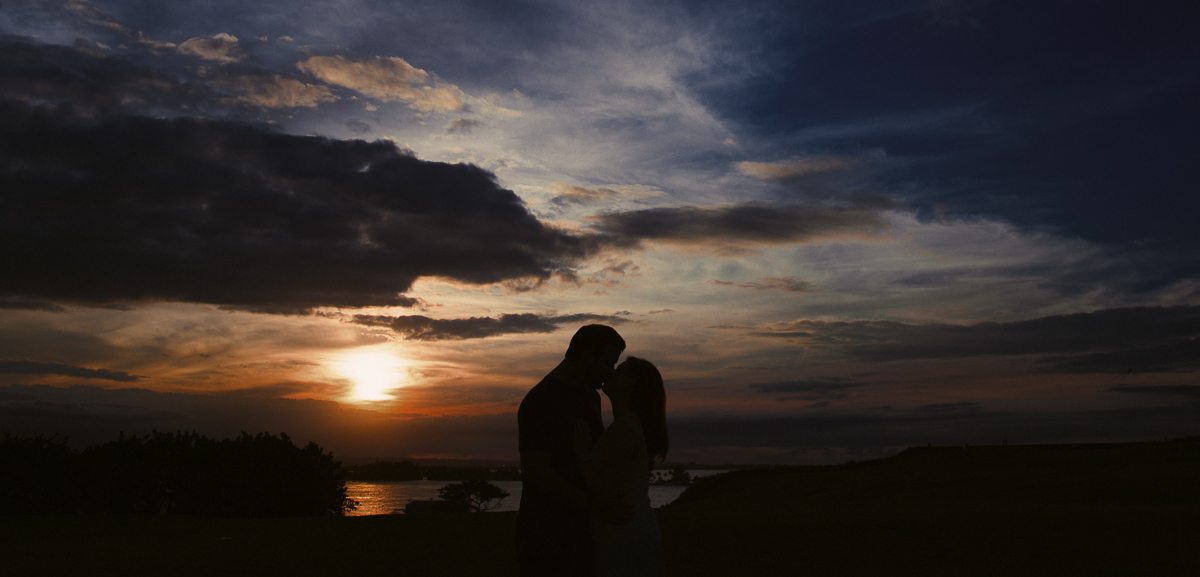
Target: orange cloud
<point x="278" y="92"/>
<point x="796" y="167"/>
<point x="386" y="78"/>
<point x="220" y="47"/>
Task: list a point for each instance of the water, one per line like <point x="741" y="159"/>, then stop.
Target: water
<point x="386" y="497"/>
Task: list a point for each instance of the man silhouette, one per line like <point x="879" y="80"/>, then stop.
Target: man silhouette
<point x="553" y="526"/>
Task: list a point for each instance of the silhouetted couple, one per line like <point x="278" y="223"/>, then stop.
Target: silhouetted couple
<point x="585" y="507"/>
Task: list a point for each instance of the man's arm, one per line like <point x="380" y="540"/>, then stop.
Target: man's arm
<point x="537" y="471"/>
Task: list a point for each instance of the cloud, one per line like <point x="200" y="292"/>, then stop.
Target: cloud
<point x="789" y="284"/>
<point x="15" y="303"/>
<point x="102" y="85"/>
<point x="797" y="167"/>
<point x="743" y="223"/>
<point x="1052" y="157"/>
<point x="130" y="208"/>
<point x="1188" y="391"/>
<point x="578" y="195"/>
<point x="954" y="407"/>
<point x="1147" y="339"/>
<point x="38" y="338"/>
<point x="69" y="21"/>
<point x="275" y="91"/>
<point x="825" y="389"/>
<point x="423" y="328"/>
<point x="1174" y="356"/>
<point x="90" y="84"/>
<point x="463" y="126"/>
<point x="221" y="47"/>
<point x="386" y="78"/>
<point x="946" y="424"/>
<point x="357" y="126"/>
<point x="39" y="368"/>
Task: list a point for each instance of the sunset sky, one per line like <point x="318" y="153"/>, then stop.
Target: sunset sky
<point x="838" y="228"/>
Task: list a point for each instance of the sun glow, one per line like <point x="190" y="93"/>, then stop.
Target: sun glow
<point x="374" y="373"/>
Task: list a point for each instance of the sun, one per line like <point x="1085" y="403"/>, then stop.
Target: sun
<point x="373" y="372"/>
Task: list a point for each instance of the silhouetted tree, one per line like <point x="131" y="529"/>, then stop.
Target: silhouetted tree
<point x="477" y="496"/>
<point x="172" y="473"/>
<point x="679" y="476"/>
<point x="36" y="475"/>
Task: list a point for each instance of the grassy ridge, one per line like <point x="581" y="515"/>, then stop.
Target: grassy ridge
<point x="1129" y="509"/>
<point x="434" y="545"/>
<point x="1122" y="509"/>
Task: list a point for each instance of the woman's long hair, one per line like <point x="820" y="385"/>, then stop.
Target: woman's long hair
<point x="649" y="399"/>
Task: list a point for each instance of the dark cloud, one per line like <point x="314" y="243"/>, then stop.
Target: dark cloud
<point x="35" y="339"/>
<point x="220" y="47"/>
<point x="94" y="84"/>
<point x="463" y="126"/>
<point x="788" y="284"/>
<point x="1145" y="338"/>
<point x="1023" y="116"/>
<point x="948" y="424"/>
<point x="423" y="328"/>
<point x="523" y="27"/>
<point x="1186" y="391"/>
<point x="229" y="192"/>
<point x="126" y="208"/>
<point x="577" y="196"/>
<point x="745" y="223"/>
<point x="13" y="367"/>
<point x="825" y="389"/>
<point x="357" y="126"/>
<point x="69" y="20"/>
<point x="14" y="303"/>
<point x="826" y="178"/>
<point x="956" y="407"/>
<point x="1170" y="357"/>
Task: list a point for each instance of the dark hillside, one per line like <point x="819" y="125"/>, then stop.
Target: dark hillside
<point x="1118" y="509"/>
<point x="1164" y="473"/>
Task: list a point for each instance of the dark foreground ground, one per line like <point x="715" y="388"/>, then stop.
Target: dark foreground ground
<point x="1120" y="510"/>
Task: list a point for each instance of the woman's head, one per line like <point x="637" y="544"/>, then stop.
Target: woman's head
<point x="643" y="383"/>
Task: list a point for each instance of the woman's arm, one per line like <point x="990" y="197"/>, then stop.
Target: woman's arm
<point x="583" y="454"/>
<point x="601" y="469"/>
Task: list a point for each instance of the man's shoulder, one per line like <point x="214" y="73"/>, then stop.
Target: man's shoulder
<point x="549" y="385"/>
<point x="546" y="391"/>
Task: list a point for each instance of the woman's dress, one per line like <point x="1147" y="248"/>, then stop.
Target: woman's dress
<point x="634" y="549"/>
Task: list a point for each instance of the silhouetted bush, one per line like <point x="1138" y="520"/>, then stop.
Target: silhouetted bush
<point x="475" y="496"/>
<point x="173" y="473"/>
<point x="35" y="475"/>
<point x="677" y="476"/>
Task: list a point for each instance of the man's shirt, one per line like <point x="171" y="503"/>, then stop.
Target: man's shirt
<point x="554" y="539"/>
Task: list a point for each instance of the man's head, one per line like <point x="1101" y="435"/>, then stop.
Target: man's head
<point x="594" y="351"/>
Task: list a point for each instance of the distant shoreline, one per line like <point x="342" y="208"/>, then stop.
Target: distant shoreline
<point x="441" y="470"/>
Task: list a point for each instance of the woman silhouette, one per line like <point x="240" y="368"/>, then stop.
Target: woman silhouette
<point x="617" y="468"/>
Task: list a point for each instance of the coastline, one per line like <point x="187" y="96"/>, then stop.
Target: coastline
<point x="1059" y="510"/>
